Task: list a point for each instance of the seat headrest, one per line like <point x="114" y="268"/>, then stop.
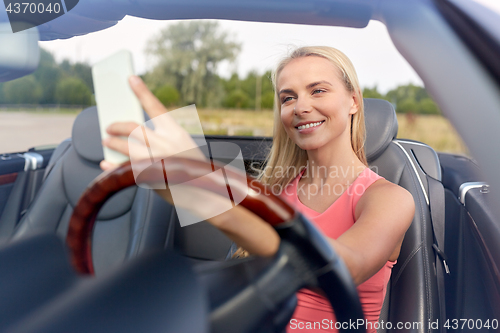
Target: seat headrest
<point x="381" y="126"/>
<point x="380" y="119"/>
<point x="86" y="136"/>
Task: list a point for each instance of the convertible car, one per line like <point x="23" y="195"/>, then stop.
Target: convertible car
<point x="86" y="251"/>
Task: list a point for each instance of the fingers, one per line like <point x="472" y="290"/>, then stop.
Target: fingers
<point x="136" y="150"/>
<point x="116" y="143"/>
<point x="105" y="165"/>
<point x="150" y="103"/>
<point x="121" y="128"/>
<point x="129" y="129"/>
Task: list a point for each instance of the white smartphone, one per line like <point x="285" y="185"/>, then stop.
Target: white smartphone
<point x="114" y="98"/>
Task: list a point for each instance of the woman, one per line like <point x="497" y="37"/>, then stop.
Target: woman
<point x="318" y="160"/>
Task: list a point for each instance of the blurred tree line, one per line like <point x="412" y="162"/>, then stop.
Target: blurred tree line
<point x="51" y="83"/>
<point x="186" y="58"/>
<point x="406" y="99"/>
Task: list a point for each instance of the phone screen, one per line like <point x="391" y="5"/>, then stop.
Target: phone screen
<point x="116" y="102"/>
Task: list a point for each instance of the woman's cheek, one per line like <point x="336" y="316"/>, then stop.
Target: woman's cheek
<point x="286" y="116"/>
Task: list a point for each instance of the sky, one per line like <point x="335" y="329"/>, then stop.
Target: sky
<point x="375" y="58"/>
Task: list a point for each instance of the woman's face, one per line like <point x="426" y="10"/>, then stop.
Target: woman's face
<point x="315" y="105"/>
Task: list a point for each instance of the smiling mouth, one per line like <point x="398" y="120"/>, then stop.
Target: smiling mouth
<point x="310" y="125"/>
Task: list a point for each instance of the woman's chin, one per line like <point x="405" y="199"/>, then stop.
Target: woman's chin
<point x="309" y="145"/>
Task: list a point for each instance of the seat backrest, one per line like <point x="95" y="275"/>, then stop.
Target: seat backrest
<point x="413" y="291"/>
<point x="131" y="221"/>
<point x="412" y="295"/>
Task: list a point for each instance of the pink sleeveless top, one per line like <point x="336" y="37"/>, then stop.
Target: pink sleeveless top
<point x="313" y="312"/>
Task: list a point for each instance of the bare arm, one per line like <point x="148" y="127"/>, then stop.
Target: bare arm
<point x="382" y="215"/>
<point x="243" y="227"/>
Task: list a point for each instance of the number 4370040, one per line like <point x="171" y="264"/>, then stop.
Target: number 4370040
<point x="33" y="8"/>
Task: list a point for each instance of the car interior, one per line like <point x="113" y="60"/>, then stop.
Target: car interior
<point x="137" y="220"/>
<point x="447" y="268"/>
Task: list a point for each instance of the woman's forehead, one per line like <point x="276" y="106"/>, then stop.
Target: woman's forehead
<point x="305" y="70"/>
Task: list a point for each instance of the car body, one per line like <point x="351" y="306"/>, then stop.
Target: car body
<point x="454" y="45"/>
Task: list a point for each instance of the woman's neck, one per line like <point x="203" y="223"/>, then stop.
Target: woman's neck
<point x="332" y="164"/>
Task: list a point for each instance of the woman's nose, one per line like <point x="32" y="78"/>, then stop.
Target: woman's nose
<point x="302" y="105"/>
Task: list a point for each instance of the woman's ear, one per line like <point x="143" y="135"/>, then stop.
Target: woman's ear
<point x="355" y="104"/>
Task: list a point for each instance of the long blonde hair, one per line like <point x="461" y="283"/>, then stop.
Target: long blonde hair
<point x="285" y="159"/>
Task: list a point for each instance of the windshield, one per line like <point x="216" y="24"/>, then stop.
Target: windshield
<point x="234" y="97"/>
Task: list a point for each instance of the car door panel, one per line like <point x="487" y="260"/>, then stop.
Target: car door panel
<point x="21" y="175"/>
<point x="473" y="285"/>
<point x="10" y="167"/>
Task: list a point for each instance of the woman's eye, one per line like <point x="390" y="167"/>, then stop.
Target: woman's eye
<point x="286" y="99"/>
<point x="316" y="91"/>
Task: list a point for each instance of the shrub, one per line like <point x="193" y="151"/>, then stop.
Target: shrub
<point x="72" y="90"/>
<point x="267" y="101"/>
<point x="168" y="95"/>
<point x="237" y="99"/>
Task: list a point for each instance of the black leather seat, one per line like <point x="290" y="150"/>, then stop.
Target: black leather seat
<point x="137" y="219"/>
<point x="132" y="221"/>
<point x="413" y="295"/>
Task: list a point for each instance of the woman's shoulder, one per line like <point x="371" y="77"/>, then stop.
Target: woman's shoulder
<point x="385" y="195"/>
<point x="386" y="189"/>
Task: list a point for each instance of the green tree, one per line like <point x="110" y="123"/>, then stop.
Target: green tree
<point x="248" y="85"/>
<point x="80" y="70"/>
<point x="404" y="93"/>
<point x="237" y="99"/>
<point x="168" y="95"/>
<point x="411" y="98"/>
<point x="268" y="100"/>
<point x="72" y="90"/>
<point x="234" y="86"/>
<point x="267" y="83"/>
<point x="188" y="55"/>
<point x="407" y="106"/>
<point x="372" y="93"/>
<point x="47" y="74"/>
<point x="2" y="99"/>
<point x="232" y="83"/>
<point x="267" y="91"/>
<point x="41" y="86"/>
<point x="25" y="90"/>
<point x="427" y="106"/>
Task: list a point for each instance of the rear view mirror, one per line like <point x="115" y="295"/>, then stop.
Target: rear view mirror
<point x="19" y="52"/>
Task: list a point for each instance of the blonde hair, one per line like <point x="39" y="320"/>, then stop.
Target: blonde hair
<point x="284" y="153"/>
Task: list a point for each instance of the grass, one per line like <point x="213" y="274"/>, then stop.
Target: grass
<point x="433" y="130"/>
<point x="236" y="122"/>
<point x="44" y="110"/>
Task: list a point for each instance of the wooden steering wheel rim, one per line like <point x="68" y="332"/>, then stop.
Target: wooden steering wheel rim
<point x="257" y="198"/>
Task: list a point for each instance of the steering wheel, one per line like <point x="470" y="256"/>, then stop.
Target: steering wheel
<point x="304" y="258"/>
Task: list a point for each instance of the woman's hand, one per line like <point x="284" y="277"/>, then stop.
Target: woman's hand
<point x="167" y="139"/>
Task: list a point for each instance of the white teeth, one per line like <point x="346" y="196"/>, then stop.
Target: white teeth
<point x="309" y="125"/>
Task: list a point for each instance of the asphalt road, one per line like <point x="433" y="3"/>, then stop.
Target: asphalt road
<point x="20" y="131"/>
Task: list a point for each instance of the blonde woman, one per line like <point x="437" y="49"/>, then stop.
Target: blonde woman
<point x="318" y="163"/>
